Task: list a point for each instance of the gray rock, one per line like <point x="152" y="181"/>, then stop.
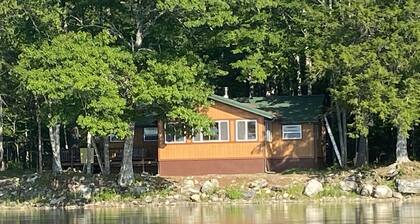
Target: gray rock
<point x="250" y="194"/>
<point x="138" y="190"/>
<point x="215" y="198"/>
<point x="188" y="183"/>
<point x="148" y="199"/>
<point x="195" y="197"/>
<point x="190" y="190"/>
<point x="348" y="185"/>
<point x="312" y="188"/>
<point x="258" y="184"/>
<point x="397" y="195"/>
<point x="277" y="188"/>
<point x="408" y="186"/>
<point x="382" y="191"/>
<point x="85" y="191"/>
<point x="210" y="186"/>
<point x="366" y="190"/>
<point x="57" y="201"/>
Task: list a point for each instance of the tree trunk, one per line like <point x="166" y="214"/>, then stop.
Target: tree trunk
<point x="126" y="176"/>
<point x="298" y="76"/>
<point x="337" y="153"/>
<point x="54" y="132"/>
<point x="98" y="156"/>
<point x="340" y="123"/>
<point x="107" y="167"/>
<point x="401" y="147"/>
<point x="2" y="165"/>
<point x="38" y="122"/>
<point x="362" y="152"/>
<point x="89" y="150"/>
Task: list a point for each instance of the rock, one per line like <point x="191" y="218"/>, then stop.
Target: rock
<point x="366" y="190"/>
<point x="85" y="191"/>
<point x="148" y="199"/>
<point x="214" y="198"/>
<point x="408" y="186"/>
<point x="195" y="197"/>
<point x="312" y="188"/>
<point x="57" y="201"/>
<point x="277" y="188"/>
<point x="188" y="183"/>
<point x="348" y="185"/>
<point x="285" y="195"/>
<point x="382" y="191"/>
<point x="210" y="186"/>
<point x="250" y="194"/>
<point x="32" y="179"/>
<point x="190" y="191"/>
<point x="138" y="190"/>
<point x="397" y="195"/>
<point x="258" y="184"/>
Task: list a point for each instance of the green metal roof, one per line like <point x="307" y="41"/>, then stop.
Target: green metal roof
<point x="287" y="109"/>
<point x="242" y="106"/>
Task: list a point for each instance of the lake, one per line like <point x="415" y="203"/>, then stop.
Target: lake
<point x="308" y="212"/>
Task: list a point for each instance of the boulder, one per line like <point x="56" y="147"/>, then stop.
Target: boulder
<point x="195" y="197"/>
<point x="397" y="195"/>
<point x="348" y="185"/>
<point x="138" y="190"/>
<point x="249" y="194"/>
<point x="366" y="190"/>
<point x="312" y="188"/>
<point x="277" y="188"/>
<point x="209" y="186"/>
<point x="85" y="191"/>
<point x="148" y="199"/>
<point x="408" y="186"/>
<point x="258" y="184"/>
<point x="382" y="191"/>
<point x="57" y="201"/>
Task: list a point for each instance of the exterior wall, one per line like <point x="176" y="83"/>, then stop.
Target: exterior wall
<point x="300" y="153"/>
<point x="192" y="158"/>
<point x="150" y="147"/>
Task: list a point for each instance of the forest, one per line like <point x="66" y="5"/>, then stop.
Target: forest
<point x="86" y="69"/>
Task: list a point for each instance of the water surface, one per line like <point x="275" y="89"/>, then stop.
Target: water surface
<point x="366" y="212"/>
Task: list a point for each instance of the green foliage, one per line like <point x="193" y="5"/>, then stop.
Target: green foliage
<point x="295" y="190"/>
<point x="105" y="195"/>
<point x="234" y="192"/>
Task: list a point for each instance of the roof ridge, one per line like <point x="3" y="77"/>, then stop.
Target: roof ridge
<point x="242" y="106"/>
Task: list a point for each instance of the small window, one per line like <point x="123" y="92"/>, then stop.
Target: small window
<point x="268" y="134"/>
<point x="292" y="132"/>
<point x="174" y="133"/>
<point x="246" y="130"/>
<point x="114" y="138"/>
<point x="219" y="132"/>
<point x="150" y="134"/>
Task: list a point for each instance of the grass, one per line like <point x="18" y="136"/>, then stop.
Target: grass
<point x="295" y="190"/>
<point x="106" y="195"/>
<point x="334" y="190"/>
<point x="234" y="192"/>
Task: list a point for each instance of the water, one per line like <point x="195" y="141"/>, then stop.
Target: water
<point x="375" y="212"/>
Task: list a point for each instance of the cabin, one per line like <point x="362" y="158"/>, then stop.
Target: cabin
<point x="250" y="135"/>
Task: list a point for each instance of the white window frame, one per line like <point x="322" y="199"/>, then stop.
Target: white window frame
<point x="114" y="139"/>
<point x="144" y="135"/>
<point x="175" y="137"/>
<point x="220" y="134"/>
<point x="290" y="132"/>
<point x="246" y="131"/>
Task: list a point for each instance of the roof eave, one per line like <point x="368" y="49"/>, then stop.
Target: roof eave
<point x="239" y="105"/>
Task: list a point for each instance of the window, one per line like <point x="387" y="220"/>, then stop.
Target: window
<point x="292" y="131"/>
<point x="268" y="134"/>
<point x="150" y="134"/>
<point x="114" y="138"/>
<point x="174" y="133"/>
<point x="219" y="132"/>
<point x="246" y="130"/>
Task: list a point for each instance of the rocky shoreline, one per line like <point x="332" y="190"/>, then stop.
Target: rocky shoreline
<point x="73" y="189"/>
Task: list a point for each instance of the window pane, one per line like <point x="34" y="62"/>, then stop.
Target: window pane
<point x="180" y="138"/>
<point x="252" y="130"/>
<point x="224" y="134"/>
<point x="240" y="125"/>
<point x="292" y="135"/>
<point x="150" y="134"/>
<point x="291" y="128"/>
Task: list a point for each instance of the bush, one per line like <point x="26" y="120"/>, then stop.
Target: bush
<point x="234" y="192"/>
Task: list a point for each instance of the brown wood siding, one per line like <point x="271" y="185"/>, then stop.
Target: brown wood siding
<point x="231" y="149"/>
<point x="299" y="148"/>
<point x="149" y="146"/>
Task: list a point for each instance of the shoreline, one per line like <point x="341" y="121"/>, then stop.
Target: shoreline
<point x="142" y="204"/>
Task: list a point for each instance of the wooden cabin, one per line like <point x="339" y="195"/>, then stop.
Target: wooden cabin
<point x="250" y="135"/>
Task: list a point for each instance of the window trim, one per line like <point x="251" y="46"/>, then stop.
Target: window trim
<point x="174" y="142"/>
<point x="220" y="134"/>
<point x="246" y="130"/>
<point x="157" y="134"/>
<point x="288" y="132"/>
